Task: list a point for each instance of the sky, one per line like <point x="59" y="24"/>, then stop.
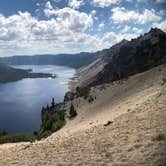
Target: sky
<point x="29" y="27"/>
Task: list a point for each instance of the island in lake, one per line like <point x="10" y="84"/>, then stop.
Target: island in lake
<point x="10" y="74"/>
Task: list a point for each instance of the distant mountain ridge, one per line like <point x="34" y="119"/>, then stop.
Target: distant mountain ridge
<point x="70" y="60"/>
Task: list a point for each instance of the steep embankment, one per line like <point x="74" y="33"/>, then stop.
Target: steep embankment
<point x="127" y="58"/>
<point x="137" y="108"/>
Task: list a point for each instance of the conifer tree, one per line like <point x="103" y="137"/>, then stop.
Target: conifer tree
<point x="53" y="102"/>
<point x="43" y="109"/>
<point x="72" y="112"/>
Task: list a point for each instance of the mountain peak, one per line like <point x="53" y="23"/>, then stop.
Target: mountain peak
<point x="156" y="31"/>
<point x="124" y="41"/>
<point x="135" y="56"/>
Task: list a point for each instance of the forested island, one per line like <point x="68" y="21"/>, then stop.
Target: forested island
<point x="10" y="74"/>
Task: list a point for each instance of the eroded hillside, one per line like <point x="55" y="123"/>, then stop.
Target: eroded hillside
<point x="137" y="109"/>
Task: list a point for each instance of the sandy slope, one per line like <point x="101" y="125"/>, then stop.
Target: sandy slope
<point x="136" y="106"/>
<point x="86" y="74"/>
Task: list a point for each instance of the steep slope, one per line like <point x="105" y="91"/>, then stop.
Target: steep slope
<point x="87" y="74"/>
<point x="129" y="58"/>
<point x="137" y="108"/>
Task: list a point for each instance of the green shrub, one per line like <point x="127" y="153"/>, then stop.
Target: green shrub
<point x="43" y="134"/>
<point x="159" y="137"/>
<point x="90" y="99"/>
<point x="3" y="133"/>
<point x="72" y="112"/>
<point x="163" y="82"/>
<point x="11" y="138"/>
<point x="58" y="125"/>
<point x="55" y="121"/>
<point x="83" y="92"/>
<point x="53" y="103"/>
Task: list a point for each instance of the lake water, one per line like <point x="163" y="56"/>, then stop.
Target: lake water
<point x="21" y="101"/>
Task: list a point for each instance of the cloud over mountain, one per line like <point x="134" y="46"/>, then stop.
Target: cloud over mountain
<point x="75" y="25"/>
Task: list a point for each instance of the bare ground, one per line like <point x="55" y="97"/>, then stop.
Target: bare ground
<point x="137" y="108"/>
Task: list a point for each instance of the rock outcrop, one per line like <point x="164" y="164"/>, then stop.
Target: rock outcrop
<point x="134" y="57"/>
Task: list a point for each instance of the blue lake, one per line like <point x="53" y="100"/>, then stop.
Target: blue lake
<point x="21" y="101"/>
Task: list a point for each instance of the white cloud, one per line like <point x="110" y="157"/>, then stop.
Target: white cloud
<point x="23" y="34"/>
<point x="162" y="12"/>
<point x="63" y="32"/>
<point x="101" y="26"/>
<point x="137" y="30"/>
<point x="161" y="1"/>
<point x="48" y="5"/>
<point x="16" y="26"/>
<point x="129" y="29"/>
<point x="94" y="15"/>
<point x="74" y="20"/>
<point x="104" y="3"/>
<point x="75" y="4"/>
<point x="49" y="10"/>
<point x="126" y="29"/>
<point x="121" y="15"/>
<point x="147" y="1"/>
<point x="37" y="4"/>
<point x="93" y="12"/>
<point x="111" y="38"/>
<point x="161" y="25"/>
<point x="69" y="18"/>
<point x="142" y="1"/>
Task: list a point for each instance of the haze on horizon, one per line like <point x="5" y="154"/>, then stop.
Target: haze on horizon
<point x="70" y="26"/>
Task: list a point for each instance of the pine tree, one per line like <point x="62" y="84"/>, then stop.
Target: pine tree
<point x="43" y="108"/>
<point x="53" y="103"/>
<point x="72" y="112"/>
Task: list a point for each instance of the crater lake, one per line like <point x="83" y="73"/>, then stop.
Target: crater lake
<point x="21" y="101"/>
